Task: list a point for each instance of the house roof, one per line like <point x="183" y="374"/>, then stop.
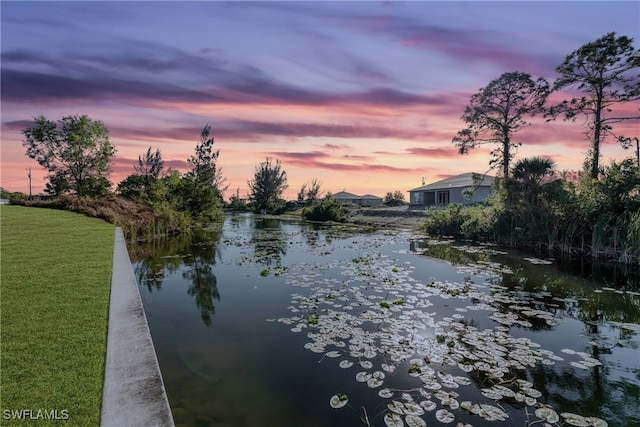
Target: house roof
<point x="458" y="181"/>
<point x="371" y="197"/>
<point x="345" y="195"/>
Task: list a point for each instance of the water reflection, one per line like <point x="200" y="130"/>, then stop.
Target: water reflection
<point x="203" y="283"/>
<point x="194" y="254"/>
<point x="593" y="293"/>
<point x="159" y="258"/>
<point x="269" y="242"/>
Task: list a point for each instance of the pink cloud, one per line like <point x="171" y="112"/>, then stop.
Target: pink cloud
<point x="433" y="152"/>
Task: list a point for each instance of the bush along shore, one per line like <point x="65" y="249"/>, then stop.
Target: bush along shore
<point x="137" y="219"/>
<point x="447" y="224"/>
<point x="587" y="217"/>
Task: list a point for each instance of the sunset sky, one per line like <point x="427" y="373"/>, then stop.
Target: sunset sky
<point x="363" y="96"/>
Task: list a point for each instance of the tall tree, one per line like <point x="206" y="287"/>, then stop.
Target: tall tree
<point x="309" y="192"/>
<point x="150" y="164"/>
<point x="267" y="186"/>
<point x="205" y="181"/>
<point x="204" y="169"/>
<point x="76" y="153"/>
<point x="607" y="71"/>
<point x="140" y="185"/>
<point x="497" y="111"/>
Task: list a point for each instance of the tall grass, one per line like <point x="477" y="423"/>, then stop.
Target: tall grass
<point x="604" y="235"/>
<point x="56" y="276"/>
<point x="138" y="220"/>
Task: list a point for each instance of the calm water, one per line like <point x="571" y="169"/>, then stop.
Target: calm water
<point x="261" y="322"/>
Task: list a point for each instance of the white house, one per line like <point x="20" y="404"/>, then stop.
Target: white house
<point x="452" y="190"/>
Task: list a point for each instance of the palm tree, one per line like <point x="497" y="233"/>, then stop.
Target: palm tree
<point x="530" y="197"/>
<point x="530" y="174"/>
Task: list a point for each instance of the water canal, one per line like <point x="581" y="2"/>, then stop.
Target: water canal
<point x="266" y="322"/>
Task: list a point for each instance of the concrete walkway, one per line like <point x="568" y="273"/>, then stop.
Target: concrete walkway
<point x="134" y="393"/>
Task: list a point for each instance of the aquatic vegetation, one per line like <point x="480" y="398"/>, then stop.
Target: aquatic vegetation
<point x="338" y="400"/>
<point x="440" y="354"/>
<point x="393" y="420"/>
<point x="547" y="414"/>
<point x="579" y="420"/>
<point x="538" y="261"/>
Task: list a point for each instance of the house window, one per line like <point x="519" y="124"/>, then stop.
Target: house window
<point x="443" y="197"/>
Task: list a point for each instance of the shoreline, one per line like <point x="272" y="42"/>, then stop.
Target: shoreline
<point x="402" y="217"/>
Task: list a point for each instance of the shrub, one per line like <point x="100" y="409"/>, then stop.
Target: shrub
<point x="275" y="206"/>
<point x="236" y="203"/>
<point x="394" y="199"/>
<point x="137" y="219"/>
<point x="446" y="222"/>
<point x="480" y="222"/>
<point x="16" y="198"/>
<point x="328" y="210"/>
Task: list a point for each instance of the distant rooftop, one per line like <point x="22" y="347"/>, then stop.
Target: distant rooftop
<point x="370" y="197"/>
<point x="345" y="195"/>
<point x="464" y="180"/>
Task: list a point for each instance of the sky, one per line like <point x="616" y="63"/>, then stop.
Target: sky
<point x="362" y="96"/>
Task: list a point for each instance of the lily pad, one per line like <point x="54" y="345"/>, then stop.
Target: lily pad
<point x="444" y="416"/>
<point x="375" y="381"/>
<point x="366" y="364"/>
<point x="492" y="413"/>
<point x="363" y="377"/>
<point x="415" y="421"/>
<point x="393" y="420"/>
<point x="396" y="407"/>
<point x="547" y="414"/>
<point x="338" y="400"/>
<point x="385" y="393"/>
<point x="598" y="422"/>
<point x="428" y="405"/>
<point x="412" y="408"/>
<point x="346" y="364"/>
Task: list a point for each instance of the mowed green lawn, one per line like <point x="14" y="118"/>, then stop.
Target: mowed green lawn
<point x="55" y="285"/>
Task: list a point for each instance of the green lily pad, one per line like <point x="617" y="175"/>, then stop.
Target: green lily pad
<point x="338" y="400"/>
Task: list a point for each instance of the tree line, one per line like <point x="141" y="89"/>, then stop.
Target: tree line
<point x="605" y="71"/>
<point x="596" y="212"/>
<point x="77" y="153"/>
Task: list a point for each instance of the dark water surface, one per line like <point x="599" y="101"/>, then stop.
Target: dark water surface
<point x="261" y="321"/>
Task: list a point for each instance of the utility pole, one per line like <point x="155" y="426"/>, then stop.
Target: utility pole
<point x="637" y="150"/>
<point x="29" y="175"/>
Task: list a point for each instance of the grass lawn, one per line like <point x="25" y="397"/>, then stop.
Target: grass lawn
<point x="55" y="282"/>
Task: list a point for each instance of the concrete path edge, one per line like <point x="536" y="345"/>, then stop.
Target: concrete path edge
<point x="134" y="393"/>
